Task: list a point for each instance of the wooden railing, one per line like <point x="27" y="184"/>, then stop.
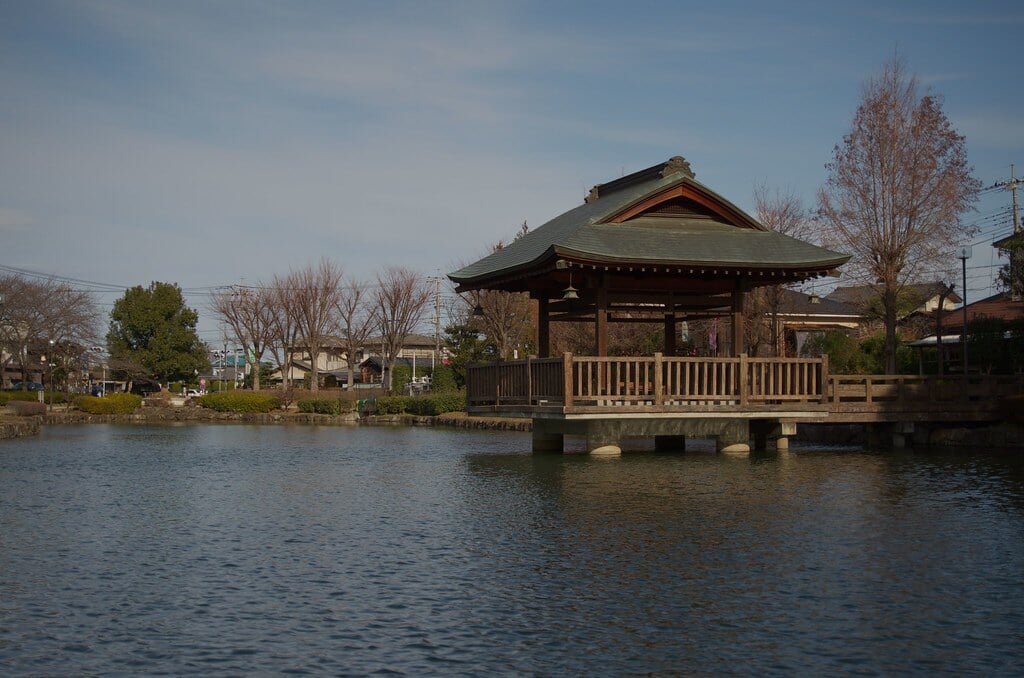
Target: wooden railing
<point x="852" y="389"/>
<point x="659" y="384"/>
<point x="655" y="381"/>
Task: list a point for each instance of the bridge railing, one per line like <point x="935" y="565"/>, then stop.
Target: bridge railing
<point x="651" y="381"/>
<point x="848" y="389"/>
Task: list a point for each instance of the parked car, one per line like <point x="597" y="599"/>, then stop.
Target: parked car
<point x="32" y="386"/>
<point x="193" y="393"/>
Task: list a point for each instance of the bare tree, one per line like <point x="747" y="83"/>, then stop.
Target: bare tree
<point x="249" y="312"/>
<point x="400" y="300"/>
<point x="284" y="326"/>
<point x="355" y="321"/>
<point x="896" y="188"/>
<point x="39" y="317"/>
<point x="782" y="212"/>
<point x="505" y="318"/>
<point x="315" y="293"/>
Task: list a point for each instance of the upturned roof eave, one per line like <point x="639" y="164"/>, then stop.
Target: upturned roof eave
<point x="587" y="258"/>
<point x="548" y="260"/>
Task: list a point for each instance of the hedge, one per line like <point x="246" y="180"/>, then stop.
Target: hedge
<point x="239" y="401"/>
<point x="115" y="403"/>
<point x="325" y="405"/>
<point x="27" y="408"/>
<point x="55" y="397"/>
<point x="392" y="404"/>
<point x="425" y="406"/>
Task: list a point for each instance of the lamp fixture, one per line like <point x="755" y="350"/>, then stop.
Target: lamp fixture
<point x="478" y="310"/>
<point x="570" y="292"/>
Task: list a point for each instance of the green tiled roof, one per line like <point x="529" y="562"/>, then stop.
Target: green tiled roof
<point x="585" y="233"/>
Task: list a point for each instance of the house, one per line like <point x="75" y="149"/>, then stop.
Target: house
<point x="916" y="297"/>
<point x="948" y="353"/>
<point x="419" y="346"/>
<point x="1000" y="306"/>
<point x="802" y="316"/>
<point x="332" y="364"/>
<point x="916" y="306"/>
<point x="331" y="360"/>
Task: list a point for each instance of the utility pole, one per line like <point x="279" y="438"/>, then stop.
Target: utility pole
<point x="1013" y="251"/>
<point x="437" y="320"/>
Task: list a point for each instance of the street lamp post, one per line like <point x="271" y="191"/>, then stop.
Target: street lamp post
<point x="965" y="254"/>
<point x="51" y="374"/>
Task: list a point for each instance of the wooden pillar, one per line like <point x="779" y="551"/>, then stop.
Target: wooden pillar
<point x="543" y="328"/>
<point x="670" y="334"/>
<point x="601" y="319"/>
<point x="739" y="297"/>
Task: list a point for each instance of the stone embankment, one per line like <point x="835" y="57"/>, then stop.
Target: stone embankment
<point x="19" y="428"/>
<point x="1009" y="434"/>
<point x="160" y="415"/>
<point x="452" y="419"/>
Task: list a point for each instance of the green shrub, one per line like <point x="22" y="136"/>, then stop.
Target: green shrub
<point x="437" y="403"/>
<point x="325" y="405"/>
<point x="8" y="396"/>
<point x="424" y="406"/>
<point x="27" y="408"/>
<point x="392" y="404"/>
<point x="239" y="401"/>
<point x="443" y="379"/>
<point x="115" y="403"/>
<point x="55" y="397"/>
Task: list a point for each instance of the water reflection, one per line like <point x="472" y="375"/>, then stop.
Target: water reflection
<point x="220" y="550"/>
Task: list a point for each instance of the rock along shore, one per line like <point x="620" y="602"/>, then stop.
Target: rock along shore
<point x="21" y="427"/>
<point x="161" y="415"/>
<point x="1010" y="434"/>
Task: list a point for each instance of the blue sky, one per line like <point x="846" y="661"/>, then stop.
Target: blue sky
<point x="211" y="143"/>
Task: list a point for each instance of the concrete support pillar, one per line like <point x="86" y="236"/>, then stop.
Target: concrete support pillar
<point x="734" y="438"/>
<point x="782" y="432"/>
<point x="891" y="435"/>
<point x="902" y="432"/>
<point x="603" y="449"/>
<point x="603" y="437"/>
<point x="670" y="443"/>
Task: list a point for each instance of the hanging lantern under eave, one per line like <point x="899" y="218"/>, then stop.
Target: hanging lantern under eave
<point x="478" y="310"/>
<point x="570" y="293"/>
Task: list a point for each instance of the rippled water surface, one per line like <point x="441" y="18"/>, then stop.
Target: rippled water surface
<point x="249" y="550"/>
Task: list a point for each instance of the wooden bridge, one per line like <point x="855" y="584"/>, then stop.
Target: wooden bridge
<point x="730" y="399"/>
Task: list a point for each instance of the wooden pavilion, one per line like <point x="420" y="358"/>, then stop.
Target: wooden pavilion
<point x="654" y="246"/>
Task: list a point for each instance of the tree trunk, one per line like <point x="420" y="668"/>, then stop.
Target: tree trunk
<point x="314" y="356"/>
<point x="889" y="301"/>
<point x="255" y="367"/>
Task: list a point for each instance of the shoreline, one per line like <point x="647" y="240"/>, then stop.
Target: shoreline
<point x="1003" y="435"/>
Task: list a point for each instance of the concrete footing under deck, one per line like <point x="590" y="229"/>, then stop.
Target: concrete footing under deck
<point x="604" y="436"/>
<point x="898" y="435"/>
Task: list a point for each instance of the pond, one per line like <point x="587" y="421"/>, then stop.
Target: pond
<point x="247" y="550"/>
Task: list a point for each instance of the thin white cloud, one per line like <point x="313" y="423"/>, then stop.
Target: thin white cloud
<point x="15" y="221"/>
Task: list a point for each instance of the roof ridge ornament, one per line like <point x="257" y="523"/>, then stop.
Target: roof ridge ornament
<point x="678" y="163"/>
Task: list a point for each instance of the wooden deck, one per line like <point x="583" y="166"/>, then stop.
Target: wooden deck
<point x="798" y="389"/>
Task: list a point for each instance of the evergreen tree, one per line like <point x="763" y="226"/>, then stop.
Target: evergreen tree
<point x="152" y="333"/>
